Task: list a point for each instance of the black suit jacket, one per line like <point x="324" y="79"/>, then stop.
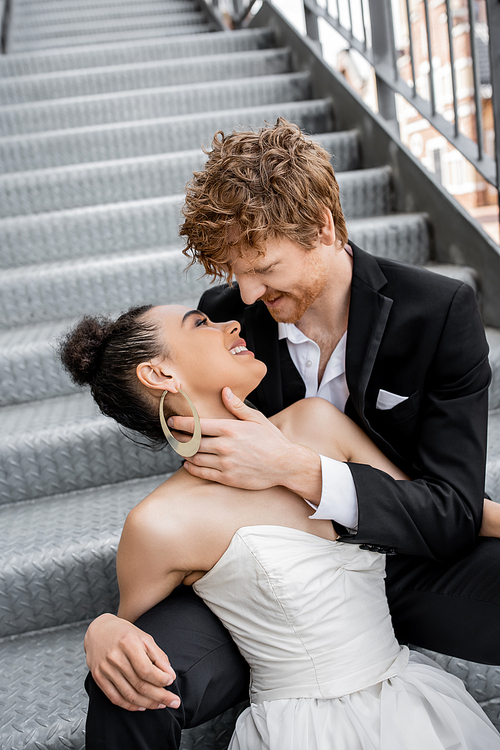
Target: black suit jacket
<point x="417" y="334"/>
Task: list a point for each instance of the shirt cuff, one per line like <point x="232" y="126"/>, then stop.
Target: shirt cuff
<point x="339" y="501"/>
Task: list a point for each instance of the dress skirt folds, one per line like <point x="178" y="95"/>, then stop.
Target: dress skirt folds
<point x="311" y="618"/>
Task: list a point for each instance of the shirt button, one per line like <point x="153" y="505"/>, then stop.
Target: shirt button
<point x="308" y="363"/>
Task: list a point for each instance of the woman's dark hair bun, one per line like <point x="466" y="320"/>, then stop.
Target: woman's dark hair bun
<point x="81" y="349"/>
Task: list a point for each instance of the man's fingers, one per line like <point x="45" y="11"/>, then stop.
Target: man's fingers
<point x="237" y="407"/>
<point x="213" y="427"/>
<point x="211" y="475"/>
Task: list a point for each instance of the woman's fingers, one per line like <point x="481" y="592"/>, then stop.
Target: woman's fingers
<point x="132" y="680"/>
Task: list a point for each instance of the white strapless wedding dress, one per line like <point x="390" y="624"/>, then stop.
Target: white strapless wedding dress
<point x="311" y="618"/>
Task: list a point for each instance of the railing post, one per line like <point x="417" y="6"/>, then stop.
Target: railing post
<point x="493" y="11"/>
<point x="311" y="23"/>
<point x="384" y="55"/>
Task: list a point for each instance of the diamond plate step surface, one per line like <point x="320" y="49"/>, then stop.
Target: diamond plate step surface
<point x="138" y="51"/>
<point x="151" y="103"/>
<point x="493" y="337"/>
<point x="402" y="237"/>
<point x="47" y="291"/>
<point x="122" y="140"/>
<point x="118" y="180"/>
<point x="44" y="16"/>
<point x="106" y="37"/>
<point x="123" y="78"/>
<point x="30" y="368"/>
<point x="98" y="230"/>
<point x="73" y="288"/>
<point x="130" y="225"/>
<point x="57" y="559"/>
<point x="493" y="456"/>
<point x="481" y="680"/>
<point x="43" y="702"/>
<point x="63" y="444"/>
<point x="52" y="31"/>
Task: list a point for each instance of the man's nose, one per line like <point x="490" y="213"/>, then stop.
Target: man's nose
<point x="251" y="289"/>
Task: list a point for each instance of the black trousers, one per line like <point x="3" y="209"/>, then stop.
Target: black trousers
<point x="453" y="609"/>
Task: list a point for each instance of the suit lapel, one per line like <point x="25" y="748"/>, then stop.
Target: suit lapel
<point x="368" y="314"/>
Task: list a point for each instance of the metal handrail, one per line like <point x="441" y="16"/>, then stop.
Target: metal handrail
<point x="388" y="75"/>
<point x="383" y="58"/>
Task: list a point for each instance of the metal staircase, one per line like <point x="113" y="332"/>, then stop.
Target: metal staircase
<point x="104" y="105"/>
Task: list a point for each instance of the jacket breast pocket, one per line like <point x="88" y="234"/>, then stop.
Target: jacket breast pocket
<point x="401" y="411"/>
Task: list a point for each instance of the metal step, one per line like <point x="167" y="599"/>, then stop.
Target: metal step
<point x="20" y="21"/>
<point x="366" y="192"/>
<point x="44" y="704"/>
<point x="151" y="103"/>
<point x="138" y="51"/>
<point x="94" y="230"/>
<point x="30" y="368"/>
<point x="42" y="293"/>
<point x="85" y="86"/>
<point x="132" y="225"/>
<point x="161" y="135"/>
<point x="63" y="444"/>
<point x="493" y="337"/>
<point x="57" y="559"/>
<point x="120" y="25"/>
<point x="27" y="7"/>
<point x="74" y="186"/>
<point x="493" y="456"/>
<point x="106" y="37"/>
<point x="402" y="237"/>
<point x="119" y="235"/>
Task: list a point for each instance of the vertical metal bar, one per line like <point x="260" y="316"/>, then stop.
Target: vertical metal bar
<point x="410" y="37"/>
<point x="384" y="57"/>
<point x="429" y="53"/>
<point x="350" y="14"/>
<point x="493" y="11"/>
<point x="311" y="23"/>
<point x="363" y="21"/>
<point x="477" y="82"/>
<point x="452" y="65"/>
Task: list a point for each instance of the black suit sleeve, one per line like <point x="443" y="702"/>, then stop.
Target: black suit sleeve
<point x="438" y="514"/>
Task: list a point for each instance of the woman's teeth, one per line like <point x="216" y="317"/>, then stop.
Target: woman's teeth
<point x="238" y="349"/>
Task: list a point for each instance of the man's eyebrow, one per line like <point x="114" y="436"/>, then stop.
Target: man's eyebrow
<point x="190" y="313"/>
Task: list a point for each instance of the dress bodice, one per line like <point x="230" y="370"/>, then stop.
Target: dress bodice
<point x="309" y="615"/>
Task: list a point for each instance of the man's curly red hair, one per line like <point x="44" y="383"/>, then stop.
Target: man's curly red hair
<point x="256" y="186"/>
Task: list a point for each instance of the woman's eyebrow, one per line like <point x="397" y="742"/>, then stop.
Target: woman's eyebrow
<point x="190" y="313"/>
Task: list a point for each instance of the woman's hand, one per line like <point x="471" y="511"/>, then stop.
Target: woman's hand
<point x="128" y="666"/>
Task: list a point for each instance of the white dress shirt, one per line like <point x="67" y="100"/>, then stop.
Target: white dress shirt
<point x="339" y="501"/>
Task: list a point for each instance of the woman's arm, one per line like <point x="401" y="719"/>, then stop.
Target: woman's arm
<point x="125" y="662"/>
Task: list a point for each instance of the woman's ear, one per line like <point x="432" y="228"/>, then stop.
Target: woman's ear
<point x="157" y="377"/>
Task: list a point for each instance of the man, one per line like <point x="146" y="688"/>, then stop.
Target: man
<point x="400" y="349"/>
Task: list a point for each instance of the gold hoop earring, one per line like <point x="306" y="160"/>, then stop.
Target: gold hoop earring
<point x="192" y="446"/>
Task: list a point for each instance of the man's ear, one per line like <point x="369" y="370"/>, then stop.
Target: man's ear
<point x="158" y="377"/>
<point x="326" y="233"/>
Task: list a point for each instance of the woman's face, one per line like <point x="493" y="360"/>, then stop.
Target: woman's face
<point x="207" y="356"/>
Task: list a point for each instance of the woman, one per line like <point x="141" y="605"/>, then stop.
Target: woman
<point x="308" y="613"/>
